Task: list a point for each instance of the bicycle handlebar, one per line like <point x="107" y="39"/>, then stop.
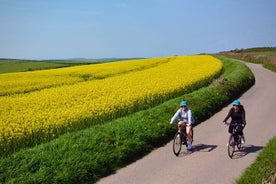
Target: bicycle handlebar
<point x="234" y="123"/>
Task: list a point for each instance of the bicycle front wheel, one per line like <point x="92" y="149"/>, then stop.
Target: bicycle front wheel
<point x="239" y="145"/>
<point x="177" y="144"/>
<point x="231" y="146"/>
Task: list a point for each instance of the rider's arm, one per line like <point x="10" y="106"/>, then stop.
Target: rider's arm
<point x="190" y="117"/>
<point x="243" y="117"/>
<point x="228" y="116"/>
<point x="175" y="116"/>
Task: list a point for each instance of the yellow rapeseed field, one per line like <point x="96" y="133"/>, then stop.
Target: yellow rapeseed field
<point x="70" y="98"/>
<point x="23" y="82"/>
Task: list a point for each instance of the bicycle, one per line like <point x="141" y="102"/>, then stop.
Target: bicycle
<point x="234" y="139"/>
<point x="180" y="138"/>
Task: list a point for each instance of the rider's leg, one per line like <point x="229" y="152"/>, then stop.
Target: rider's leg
<point x="189" y="132"/>
<point x="240" y="130"/>
<point x="242" y="137"/>
<point x="181" y="124"/>
<point x="189" y="135"/>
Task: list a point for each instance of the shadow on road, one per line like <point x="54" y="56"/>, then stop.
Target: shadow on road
<point x="204" y="147"/>
<point x="246" y="150"/>
<point x="197" y="148"/>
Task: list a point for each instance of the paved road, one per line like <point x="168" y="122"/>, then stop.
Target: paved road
<point x="209" y="163"/>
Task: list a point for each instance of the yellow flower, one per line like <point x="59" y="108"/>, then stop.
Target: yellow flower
<point x="51" y="102"/>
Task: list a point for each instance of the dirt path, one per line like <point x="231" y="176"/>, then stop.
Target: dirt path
<point x="209" y="162"/>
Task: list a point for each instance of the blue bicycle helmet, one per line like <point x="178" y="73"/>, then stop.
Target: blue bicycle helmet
<point x="183" y="103"/>
<point x="236" y="102"/>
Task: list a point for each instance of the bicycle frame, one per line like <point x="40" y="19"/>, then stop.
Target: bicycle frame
<point x="180" y="138"/>
<point x="234" y="140"/>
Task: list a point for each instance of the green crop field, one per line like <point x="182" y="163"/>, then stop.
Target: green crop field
<point x="11" y="65"/>
<point x="267" y="53"/>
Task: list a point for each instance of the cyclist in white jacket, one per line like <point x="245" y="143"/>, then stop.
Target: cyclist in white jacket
<point x="185" y="117"/>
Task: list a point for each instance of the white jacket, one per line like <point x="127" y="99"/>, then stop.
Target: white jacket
<point x="183" y="115"/>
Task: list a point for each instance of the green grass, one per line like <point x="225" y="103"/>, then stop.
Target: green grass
<point x="8" y="66"/>
<point x="267" y="53"/>
<point x="90" y="154"/>
<point x="255" y="50"/>
<point x="264" y="167"/>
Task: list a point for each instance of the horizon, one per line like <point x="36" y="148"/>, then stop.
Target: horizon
<point x="114" y="58"/>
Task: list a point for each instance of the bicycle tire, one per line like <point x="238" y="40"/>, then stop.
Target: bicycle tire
<point x="192" y="132"/>
<point x="177" y="144"/>
<point x="239" y="145"/>
<point x="231" y="146"/>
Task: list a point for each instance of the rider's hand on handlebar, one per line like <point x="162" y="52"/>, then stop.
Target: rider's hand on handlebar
<point x="226" y="123"/>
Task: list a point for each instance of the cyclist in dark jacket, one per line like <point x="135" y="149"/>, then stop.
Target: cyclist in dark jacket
<point x="237" y="114"/>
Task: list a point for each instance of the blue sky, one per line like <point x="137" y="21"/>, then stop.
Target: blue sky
<point x="61" y="29"/>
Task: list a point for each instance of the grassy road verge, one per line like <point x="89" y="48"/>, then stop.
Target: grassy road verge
<point x="263" y="170"/>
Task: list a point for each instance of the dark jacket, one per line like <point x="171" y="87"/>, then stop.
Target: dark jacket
<point x="236" y="116"/>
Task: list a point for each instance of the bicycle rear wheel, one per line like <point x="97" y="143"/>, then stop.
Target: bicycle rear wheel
<point x="177" y="144"/>
<point x="231" y="146"/>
